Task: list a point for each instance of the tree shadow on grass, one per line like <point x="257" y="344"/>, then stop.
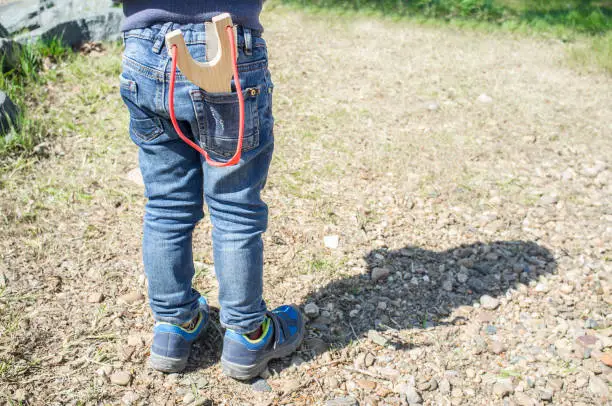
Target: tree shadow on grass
<point x="420" y="289"/>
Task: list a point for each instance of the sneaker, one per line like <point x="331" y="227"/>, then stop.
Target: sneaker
<point x="282" y="333"/>
<point x="172" y="343"/>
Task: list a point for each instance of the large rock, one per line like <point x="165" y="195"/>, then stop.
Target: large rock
<point x="3" y="32"/>
<point x="99" y="27"/>
<point x="9" y="53"/>
<point x="75" y="21"/>
<point x="8" y="114"/>
<point x="21" y="15"/>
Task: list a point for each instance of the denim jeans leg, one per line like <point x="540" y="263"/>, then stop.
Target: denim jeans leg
<point x="173" y="176"/>
<point x="239" y="218"/>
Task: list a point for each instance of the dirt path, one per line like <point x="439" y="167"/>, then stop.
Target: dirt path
<point x="451" y="165"/>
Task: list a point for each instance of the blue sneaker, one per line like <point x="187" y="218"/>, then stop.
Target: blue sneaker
<point x="283" y="331"/>
<point x="172" y="343"/>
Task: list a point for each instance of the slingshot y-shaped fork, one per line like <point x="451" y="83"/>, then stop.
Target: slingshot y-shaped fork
<point x="214" y="76"/>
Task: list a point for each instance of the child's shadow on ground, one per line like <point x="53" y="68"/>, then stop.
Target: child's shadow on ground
<point x="417" y="288"/>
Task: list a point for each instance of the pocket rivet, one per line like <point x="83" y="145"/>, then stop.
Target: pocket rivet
<point x="253" y="92"/>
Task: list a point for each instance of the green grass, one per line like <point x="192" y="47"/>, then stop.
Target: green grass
<point x="22" y="83"/>
<point x="592" y="17"/>
<point x="597" y="52"/>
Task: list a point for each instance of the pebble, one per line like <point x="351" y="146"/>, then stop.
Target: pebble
<point x="331" y="241"/>
<point x="524" y="400"/>
<point x="130" y="398"/>
<point x="598" y="387"/>
<point x="485" y="99"/>
<point x="369" y="359"/>
<point x="380" y="273"/>
<point x="261" y="385"/>
<point x="311" y="310"/>
<point x="131" y="297"/>
<point x="342" y="401"/>
<point x="447" y="285"/>
<point x="541" y="287"/>
<point x="488" y="302"/>
<point x="134" y="341"/>
<point x="135" y="176"/>
<point x="120" y="378"/>
<point x="377" y="338"/>
<point x="188" y="398"/>
<point x="445" y="386"/>
<point x="318" y="345"/>
<point x="366" y="384"/>
<point x="96" y="297"/>
<point x="606" y="358"/>
<point x="497" y="347"/>
<point x="503" y="388"/>
<point x="547" y="394"/>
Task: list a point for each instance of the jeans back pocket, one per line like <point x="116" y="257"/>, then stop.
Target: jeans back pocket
<point x="218" y="119"/>
<point x="143" y="126"/>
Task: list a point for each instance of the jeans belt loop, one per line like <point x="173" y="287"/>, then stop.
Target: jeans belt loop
<point x="248" y="41"/>
<point x="160" y="40"/>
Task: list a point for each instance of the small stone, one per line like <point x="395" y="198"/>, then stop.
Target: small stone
<point x="606" y="358"/>
<point x="462" y="277"/>
<point x="188" y="398"/>
<point x="288" y="386"/>
<point x="296" y="360"/>
<point x="135" y="176"/>
<point x="331" y="241"/>
<point x="311" y="310"/>
<point x="590" y="324"/>
<point x="132" y="297"/>
<point x="134" y="340"/>
<point x="342" y="401"/>
<point x="586" y="341"/>
<point x="489" y="302"/>
<point x="433" y="106"/>
<point x="598" y="387"/>
<point x="444" y="386"/>
<point x="366" y="384"/>
<point x="547" y="394"/>
<point x="547" y="200"/>
<point x="503" y="388"/>
<point x="96" y="297"/>
<point x="524" y="400"/>
<point x="130" y="398"/>
<point x="261" y="385"/>
<point x="369" y="359"/>
<point x="412" y="396"/>
<point x="541" y="287"/>
<point x="359" y="361"/>
<point x="20" y="395"/>
<point x="470" y="373"/>
<point x="120" y="378"/>
<point x="485" y="99"/>
<point x="382" y="306"/>
<point x="377" y="338"/>
<point x="497" y="347"/>
<point x="316" y="344"/>
<point x="380" y="273"/>
<point x="447" y="285"/>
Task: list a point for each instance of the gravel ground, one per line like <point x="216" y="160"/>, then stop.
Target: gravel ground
<point x="440" y="208"/>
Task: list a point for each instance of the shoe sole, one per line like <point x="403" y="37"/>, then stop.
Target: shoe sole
<point x="244" y="372"/>
<point x="167" y="364"/>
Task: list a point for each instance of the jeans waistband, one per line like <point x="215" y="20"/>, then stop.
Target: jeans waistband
<point x="193" y="34"/>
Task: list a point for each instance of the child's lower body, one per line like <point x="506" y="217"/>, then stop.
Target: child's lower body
<point x="177" y="181"/>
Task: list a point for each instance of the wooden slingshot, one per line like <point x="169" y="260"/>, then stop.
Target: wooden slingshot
<point x="215" y="75"/>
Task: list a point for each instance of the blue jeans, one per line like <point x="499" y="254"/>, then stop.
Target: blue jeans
<point x="177" y="180"/>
